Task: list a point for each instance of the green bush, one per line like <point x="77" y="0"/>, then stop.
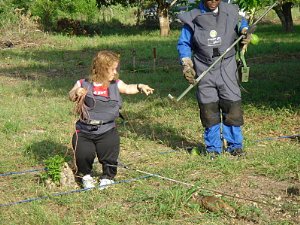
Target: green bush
<point x="50" y="11"/>
<point x="78" y="9"/>
<point x="46" y="10"/>
<point x="22" y="4"/>
<point x="7" y="14"/>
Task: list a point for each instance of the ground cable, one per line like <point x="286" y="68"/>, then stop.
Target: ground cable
<point x="71" y="191"/>
<point x="22" y="172"/>
<point x="277" y="138"/>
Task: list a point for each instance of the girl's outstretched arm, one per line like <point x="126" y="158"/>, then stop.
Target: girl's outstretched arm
<point x="134" y="88"/>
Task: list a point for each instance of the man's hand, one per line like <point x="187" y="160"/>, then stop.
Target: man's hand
<point x="188" y="70"/>
<point x="247" y="37"/>
<point x="246" y="40"/>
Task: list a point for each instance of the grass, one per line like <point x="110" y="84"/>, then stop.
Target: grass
<point x="37" y="123"/>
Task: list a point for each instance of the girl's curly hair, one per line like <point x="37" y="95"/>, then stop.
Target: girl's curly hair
<point x="102" y="62"/>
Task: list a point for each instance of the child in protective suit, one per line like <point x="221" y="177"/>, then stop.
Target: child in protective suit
<point x="98" y="102"/>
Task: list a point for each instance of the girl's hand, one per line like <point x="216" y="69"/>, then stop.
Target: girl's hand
<point x="145" y="89"/>
<point x="80" y="91"/>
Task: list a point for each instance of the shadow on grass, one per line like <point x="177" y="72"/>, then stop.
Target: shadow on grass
<point x="159" y="133"/>
<point x="271" y="29"/>
<point x="61" y="63"/>
<point x="45" y="149"/>
<point x="114" y="27"/>
<point x="162" y="131"/>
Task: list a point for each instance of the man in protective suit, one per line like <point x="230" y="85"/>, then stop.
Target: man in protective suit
<point x="207" y="32"/>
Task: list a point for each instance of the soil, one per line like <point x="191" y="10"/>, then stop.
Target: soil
<point x="277" y="200"/>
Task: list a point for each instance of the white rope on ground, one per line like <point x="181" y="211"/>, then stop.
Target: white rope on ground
<point x="192" y="185"/>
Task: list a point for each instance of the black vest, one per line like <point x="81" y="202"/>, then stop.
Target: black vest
<point x="101" y="110"/>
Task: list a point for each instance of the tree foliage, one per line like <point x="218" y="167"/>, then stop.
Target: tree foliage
<point x="115" y="2"/>
<point x="283" y="10"/>
<point x="248" y="5"/>
<point x="50" y="11"/>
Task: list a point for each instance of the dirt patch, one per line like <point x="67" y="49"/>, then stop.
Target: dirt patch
<point x="273" y="198"/>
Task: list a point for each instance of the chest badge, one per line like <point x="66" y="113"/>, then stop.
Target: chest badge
<point x="213" y="33"/>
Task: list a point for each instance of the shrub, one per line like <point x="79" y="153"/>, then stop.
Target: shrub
<point x="70" y="26"/>
<point x="51" y="11"/>
<point x="18" y="27"/>
<point x="78" y="9"/>
<point x="46" y="10"/>
<point x="53" y="168"/>
<point x="7" y="14"/>
<point x="22" y="4"/>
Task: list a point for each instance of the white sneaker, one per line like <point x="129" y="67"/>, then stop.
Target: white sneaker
<point x="104" y="183"/>
<point x="88" y="181"/>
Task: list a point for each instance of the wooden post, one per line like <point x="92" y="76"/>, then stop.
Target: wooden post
<point x="154" y="59"/>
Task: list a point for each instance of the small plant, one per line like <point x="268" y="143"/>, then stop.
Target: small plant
<point x="53" y="168"/>
<point x="10" y="127"/>
<point x="250" y="213"/>
<point x="169" y="202"/>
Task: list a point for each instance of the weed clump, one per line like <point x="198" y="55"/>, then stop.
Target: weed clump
<point x="58" y="173"/>
<point x="18" y="28"/>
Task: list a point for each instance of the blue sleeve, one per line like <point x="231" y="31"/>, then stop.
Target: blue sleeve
<point x="184" y="45"/>
<point x="244" y="23"/>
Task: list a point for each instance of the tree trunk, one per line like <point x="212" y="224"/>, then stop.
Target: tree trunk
<point x="163" y="15"/>
<point x="280" y="15"/>
<point x="285" y="15"/>
<point x="164" y="25"/>
<point x="138" y="16"/>
<point x="139" y="12"/>
<point x="287" y="12"/>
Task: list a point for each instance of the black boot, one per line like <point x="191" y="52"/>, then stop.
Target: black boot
<point x="237" y="152"/>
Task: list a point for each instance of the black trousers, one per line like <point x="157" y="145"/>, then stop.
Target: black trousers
<point x="105" y="146"/>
